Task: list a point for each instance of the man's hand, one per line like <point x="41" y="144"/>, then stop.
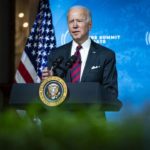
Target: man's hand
<point x="46" y="73"/>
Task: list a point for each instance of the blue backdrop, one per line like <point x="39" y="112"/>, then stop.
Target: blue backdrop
<point x="124" y="26"/>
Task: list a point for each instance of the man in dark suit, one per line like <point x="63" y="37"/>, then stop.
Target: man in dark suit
<point x="98" y="63"/>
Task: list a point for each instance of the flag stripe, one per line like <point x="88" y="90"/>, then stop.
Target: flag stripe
<point x="29" y="67"/>
<point x="24" y="72"/>
<point x="19" y="78"/>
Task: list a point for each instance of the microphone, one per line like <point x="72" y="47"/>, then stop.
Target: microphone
<point x="57" y="62"/>
<point x="61" y="70"/>
<point x="70" y="61"/>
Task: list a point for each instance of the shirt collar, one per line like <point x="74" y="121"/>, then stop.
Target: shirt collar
<point x="85" y="45"/>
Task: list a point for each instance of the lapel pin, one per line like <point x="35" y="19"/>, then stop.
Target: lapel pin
<point x="93" y="52"/>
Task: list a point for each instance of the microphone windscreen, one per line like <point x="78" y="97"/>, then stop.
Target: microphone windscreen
<point x="57" y="62"/>
<point x="59" y="59"/>
<point x="71" y="61"/>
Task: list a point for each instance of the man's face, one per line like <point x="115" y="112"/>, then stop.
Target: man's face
<point x="79" y="24"/>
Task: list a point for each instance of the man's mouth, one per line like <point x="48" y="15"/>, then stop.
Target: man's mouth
<point x="76" y="32"/>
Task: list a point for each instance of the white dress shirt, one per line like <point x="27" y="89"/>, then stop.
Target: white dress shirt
<point x="83" y="51"/>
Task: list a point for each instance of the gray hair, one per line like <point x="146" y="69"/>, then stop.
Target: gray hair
<point x="89" y="15"/>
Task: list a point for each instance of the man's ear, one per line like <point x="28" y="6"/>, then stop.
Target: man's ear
<point x="90" y="25"/>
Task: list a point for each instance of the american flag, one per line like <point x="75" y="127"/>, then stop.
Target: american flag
<point x="39" y="45"/>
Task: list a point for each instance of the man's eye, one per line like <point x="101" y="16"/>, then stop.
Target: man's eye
<point x="71" y="21"/>
<point x="80" y="20"/>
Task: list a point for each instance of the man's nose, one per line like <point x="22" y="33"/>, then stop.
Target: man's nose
<point x="75" y="24"/>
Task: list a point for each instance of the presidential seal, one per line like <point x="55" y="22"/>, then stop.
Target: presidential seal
<point x="53" y="91"/>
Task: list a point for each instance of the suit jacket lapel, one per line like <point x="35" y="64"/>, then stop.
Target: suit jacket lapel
<point x="90" y="59"/>
<point x="67" y="51"/>
<point x="67" y="56"/>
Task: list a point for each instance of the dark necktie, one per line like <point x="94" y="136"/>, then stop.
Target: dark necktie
<point x="76" y="68"/>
